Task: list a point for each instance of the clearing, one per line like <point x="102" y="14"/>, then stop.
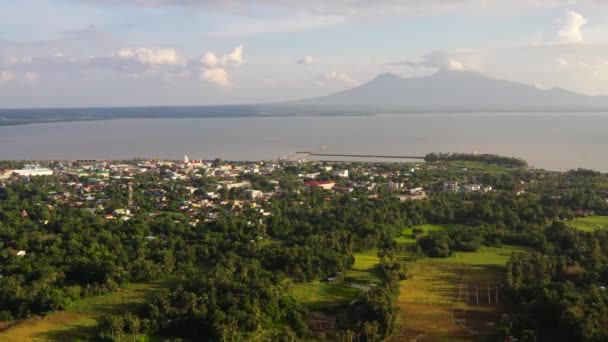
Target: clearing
<point x="455" y="298"/>
<point x="79" y="321"/>
<point x="589" y="223"/>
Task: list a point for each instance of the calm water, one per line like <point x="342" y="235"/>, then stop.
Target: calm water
<point x="550" y="141"/>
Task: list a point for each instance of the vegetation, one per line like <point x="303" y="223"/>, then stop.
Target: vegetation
<point x="243" y="269"/>
<point x="486" y="158"/>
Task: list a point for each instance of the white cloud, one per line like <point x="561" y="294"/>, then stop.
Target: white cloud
<point x="463" y="59"/>
<point x="308" y="60"/>
<point x="344" y="78"/>
<point x="446" y="60"/>
<point x="234" y="58"/>
<point x="28" y="77"/>
<point x="218" y="76"/>
<point x="7" y="76"/>
<point x="12" y="60"/>
<point x="152" y="57"/>
<point x="215" y="70"/>
<point x="210" y="60"/>
<point x="571" y="29"/>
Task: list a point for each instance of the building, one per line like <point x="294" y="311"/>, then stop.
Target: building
<point x="341" y="173"/>
<point x="5" y="173"/>
<point x="395" y="186"/>
<point x="33" y="170"/>
<point x="234" y="185"/>
<point x="472" y="187"/>
<point x="325" y="185"/>
<point x="253" y="194"/>
<point x="450" y="186"/>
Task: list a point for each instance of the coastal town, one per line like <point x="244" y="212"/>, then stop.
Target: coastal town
<point x="340" y="243"/>
<point x="202" y="189"/>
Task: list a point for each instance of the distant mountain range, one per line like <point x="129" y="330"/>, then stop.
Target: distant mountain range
<point x="450" y="90"/>
<point x="445" y="91"/>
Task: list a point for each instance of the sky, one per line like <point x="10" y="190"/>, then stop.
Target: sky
<point x="79" y="53"/>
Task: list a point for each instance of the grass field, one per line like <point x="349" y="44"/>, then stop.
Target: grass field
<point x="321" y="295"/>
<point x="589" y="223"/>
<point x="366" y="268"/>
<point x="440" y="296"/>
<point x="80" y="319"/>
<point x="407" y="237"/>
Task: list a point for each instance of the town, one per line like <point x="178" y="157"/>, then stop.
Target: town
<point x="202" y="189"/>
<point x="331" y="249"/>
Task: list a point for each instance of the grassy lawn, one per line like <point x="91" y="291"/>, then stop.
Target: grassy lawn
<point x="81" y="318"/>
<point x="428" y="298"/>
<point x="589" y="223"/>
<point x="321" y="295"/>
<point x="365" y="268"/>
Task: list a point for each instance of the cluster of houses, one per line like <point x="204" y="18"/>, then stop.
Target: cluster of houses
<point x="202" y="190"/>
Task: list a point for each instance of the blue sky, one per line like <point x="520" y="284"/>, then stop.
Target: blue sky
<point x="189" y="52"/>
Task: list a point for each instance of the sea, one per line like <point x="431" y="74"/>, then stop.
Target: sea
<point x="552" y="141"/>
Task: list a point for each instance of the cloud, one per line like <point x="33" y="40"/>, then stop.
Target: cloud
<point x="340" y="77"/>
<point x="234" y="58"/>
<point x="571" y="29"/>
<point x="210" y="60"/>
<point x="215" y="70"/>
<point x="28" y="77"/>
<point x="218" y="76"/>
<point x="308" y="60"/>
<point x="455" y="60"/>
<point x="152" y="57"/>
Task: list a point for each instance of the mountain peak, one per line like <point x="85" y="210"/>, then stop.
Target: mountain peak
<point x="458" y="90"/>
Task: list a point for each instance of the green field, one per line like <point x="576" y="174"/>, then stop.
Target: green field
<point x="322" y="295"/>
<point x="365" y="269"/>
<point x="427" y="297"/>
<point x="81" y="318"/>
<point x="589" y="223"/>
<point x="407" y="237"/>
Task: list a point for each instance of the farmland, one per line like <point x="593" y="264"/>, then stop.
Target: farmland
<point x="453" y="298"/>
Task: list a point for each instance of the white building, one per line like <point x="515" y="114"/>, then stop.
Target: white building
<point x="341" y="173"/>
<point x="472" y="187"/>
<point x="33" y="170"/>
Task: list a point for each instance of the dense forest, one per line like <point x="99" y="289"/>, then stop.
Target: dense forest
<point x="233" y="271"/>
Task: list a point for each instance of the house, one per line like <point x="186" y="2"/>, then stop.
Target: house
<point x="395" y="186"/>
<point x="20" y="253"/>
<point x="325" y="185"/>
<point x="234" y="185"/>
<point x="450" y="186"/>
<point x="341" y="173"/>
<point x="253" y="194"/>
<point x="472" y="187"/>
<point x="121" y="212"/>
